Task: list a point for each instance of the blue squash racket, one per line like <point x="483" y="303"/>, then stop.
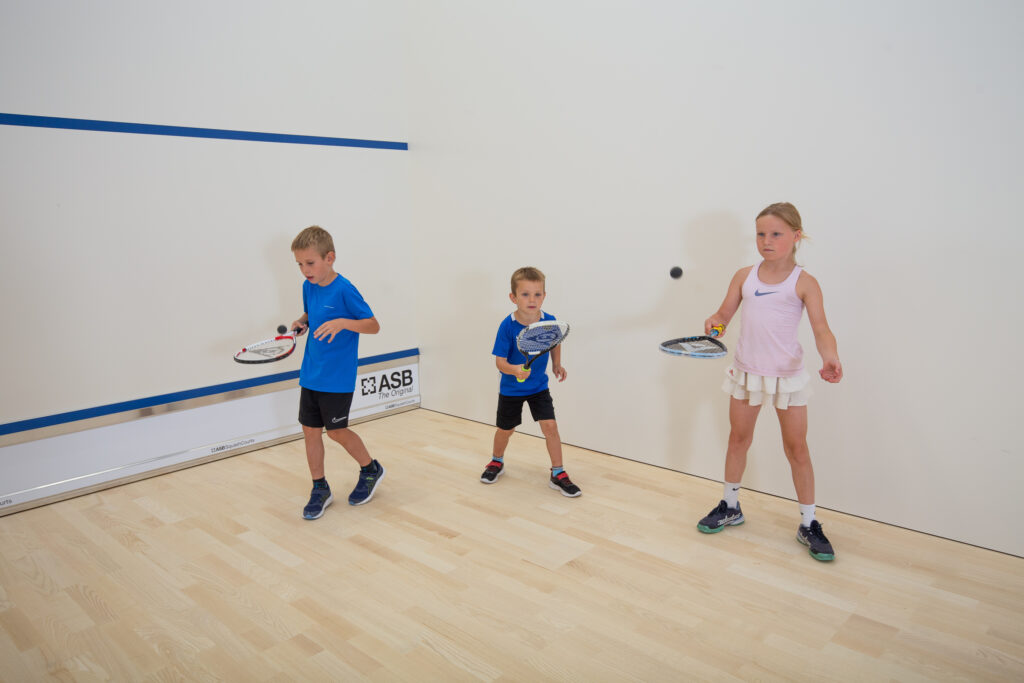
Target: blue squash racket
<point x="537" y="339"/>
<point x="700" y="346"/>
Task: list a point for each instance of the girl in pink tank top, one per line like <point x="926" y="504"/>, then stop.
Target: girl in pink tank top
<point x="768" y="366"/>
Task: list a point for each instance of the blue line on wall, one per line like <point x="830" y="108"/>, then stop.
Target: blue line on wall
<point x="188" y="132"/>
<point x="124" y="406"/>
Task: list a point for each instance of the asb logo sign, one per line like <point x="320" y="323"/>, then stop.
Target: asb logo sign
<point x="385" y="389"/>
<point x="391" y="383"/>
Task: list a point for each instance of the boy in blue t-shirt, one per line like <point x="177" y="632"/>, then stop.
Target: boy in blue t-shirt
<point x="528" y="295"/>
<point x="336" y="312"/>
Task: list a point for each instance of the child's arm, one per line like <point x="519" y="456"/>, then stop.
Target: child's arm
<point x="301" y="324"/>
<point x="809" y="291"/>
<point x="507" y="368"/>
<point x="333" y="327"/>
<point x="730" y="304"/>
<point x="556" y="364"/>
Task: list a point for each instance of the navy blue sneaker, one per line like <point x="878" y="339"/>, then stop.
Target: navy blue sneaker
<point x="814" y="538"/>
<point x="721" y="517"/>
<point x="366" y="485"/>
<point x="319" y="499"/>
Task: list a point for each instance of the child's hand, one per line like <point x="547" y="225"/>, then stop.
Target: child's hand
<point x="329" y="329"/>
<point x="522" y="373"/>
<point x="713" y="322"/>
<point x="559" y="372"/>
<point x="299" y="327"/>
<point x="831" y="370"/>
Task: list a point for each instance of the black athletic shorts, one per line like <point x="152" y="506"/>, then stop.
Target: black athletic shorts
<point x="510" y="409"/>
<point x="324" y="409"/>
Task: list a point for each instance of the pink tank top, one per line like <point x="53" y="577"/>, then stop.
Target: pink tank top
<point x="770" y="317"/>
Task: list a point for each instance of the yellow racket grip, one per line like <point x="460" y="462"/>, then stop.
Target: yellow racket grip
<point x="717" y="330"/>
<point x="522" y="367"/>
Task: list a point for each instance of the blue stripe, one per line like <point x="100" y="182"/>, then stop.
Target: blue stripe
<point x="163" y="399"/>
<point x="188" y="132"/>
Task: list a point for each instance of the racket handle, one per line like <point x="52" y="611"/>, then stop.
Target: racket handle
<point x="525" y="369"/>
<point x="717" y="330"/>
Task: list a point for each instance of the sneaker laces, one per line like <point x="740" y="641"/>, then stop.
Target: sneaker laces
<point x="816" y="531"/>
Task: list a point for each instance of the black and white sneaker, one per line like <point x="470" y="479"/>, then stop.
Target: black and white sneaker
<point x="561" y="482"/>
<point x="721" y="517"/>
<point x="814" y="538"/>
<point x="493" y="470"/>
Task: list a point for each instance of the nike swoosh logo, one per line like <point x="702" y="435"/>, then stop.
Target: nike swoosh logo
<point x="336" y="420"/>
<point x="759" y="293"/>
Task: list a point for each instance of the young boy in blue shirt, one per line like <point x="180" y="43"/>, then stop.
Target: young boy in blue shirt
<point x="336" y="312"/>
<point x="527" y="294"/>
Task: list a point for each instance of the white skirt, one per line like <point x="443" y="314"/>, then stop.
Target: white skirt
<point x="781" y="392"/>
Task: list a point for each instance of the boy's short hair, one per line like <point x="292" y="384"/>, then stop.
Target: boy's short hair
<point x="529" y="274"/>
<point x="314" y="237"/>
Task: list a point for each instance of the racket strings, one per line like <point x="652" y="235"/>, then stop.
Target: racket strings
<point x="541" y="337"/>
<point x="270" y="349"/>
<point x="701" y="346"/>
<point x="535" y="345"/>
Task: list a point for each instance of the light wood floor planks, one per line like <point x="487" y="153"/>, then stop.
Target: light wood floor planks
<point x="211" y="574"/>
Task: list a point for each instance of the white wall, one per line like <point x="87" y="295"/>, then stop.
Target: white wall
<point x="606" y="142"/>
<point x="138" y="264"/>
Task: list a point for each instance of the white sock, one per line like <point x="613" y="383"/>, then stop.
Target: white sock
<point x="732" y="494"/>
<point x="807" y="513"/>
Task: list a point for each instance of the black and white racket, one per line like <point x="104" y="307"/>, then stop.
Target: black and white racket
<point x="697" y="347"/>
<point x="537" y="339"/>
<point x="270" y="350"/>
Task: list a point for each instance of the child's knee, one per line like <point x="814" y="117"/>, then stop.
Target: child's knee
<point x="341" y="436"/>
<point x="549" y="427"/>
<point x="741" y="438"/>
<point x="797" y="452"/>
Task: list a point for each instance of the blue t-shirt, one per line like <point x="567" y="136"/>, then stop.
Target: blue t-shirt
<point x="505" y="347"/>
<point x="331" y="366"/>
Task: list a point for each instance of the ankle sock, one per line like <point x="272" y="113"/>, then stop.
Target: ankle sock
<point x="320" y="483"/>
<point x="372" y="467"/>
<point x="497" y="459"/>
<point x="555" y="471"/>
<point x="806" y="514"/>
<point x="731" y="495"/>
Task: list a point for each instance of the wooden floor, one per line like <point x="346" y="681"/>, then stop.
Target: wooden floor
<point x="211" y="574"/>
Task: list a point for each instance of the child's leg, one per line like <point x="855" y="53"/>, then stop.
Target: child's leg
<point x="793" y="422"/>
<point x="553" y="441"/>
<point x="313" y="437"/>
<point x="559" y="481"/>
<point x="501" y="439"/>
<point x="742" y="418"/>
<point x="351" y="442"/>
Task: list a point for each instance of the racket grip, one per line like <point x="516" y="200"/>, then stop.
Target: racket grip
<point x="717" y="330"/>
<point x="525" y="369"/>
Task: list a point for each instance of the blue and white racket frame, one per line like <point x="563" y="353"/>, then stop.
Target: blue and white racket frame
<point x="700" y="346"/>
<point x="536" y="339"/>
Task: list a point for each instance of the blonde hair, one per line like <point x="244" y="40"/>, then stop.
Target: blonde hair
<point x="314" y="237"/>
<point x="529" y="274"/>
<point x="788" y="214"/>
